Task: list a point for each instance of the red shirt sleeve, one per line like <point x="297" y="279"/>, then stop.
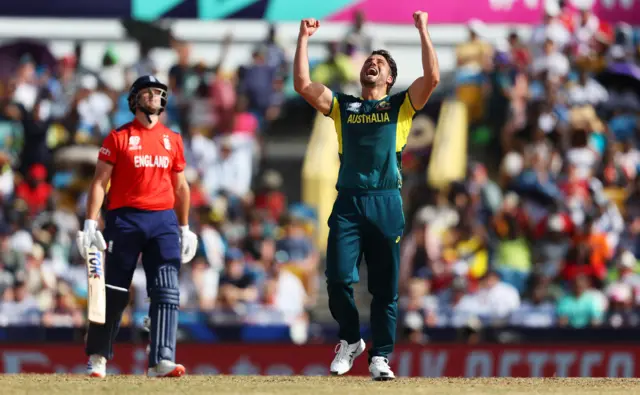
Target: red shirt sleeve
<point x="179" y="162"/>
<point x="109" y="150"/>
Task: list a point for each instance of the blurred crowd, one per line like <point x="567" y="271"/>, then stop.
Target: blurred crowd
<point x="545" y="228"/>
<point x="256" y="261"/>
<point x="543" y="231"/>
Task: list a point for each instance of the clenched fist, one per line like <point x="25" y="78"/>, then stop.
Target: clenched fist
<point x="309" y="26"/>
<point x="420" y="19"/>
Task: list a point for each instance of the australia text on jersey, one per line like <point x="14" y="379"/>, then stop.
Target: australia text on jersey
<point x="368" y="118"/>
<point x="151" y="161"/>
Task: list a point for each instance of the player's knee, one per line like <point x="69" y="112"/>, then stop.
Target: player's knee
<point x="166" y="289"/>
<point x="384" y="296"/>
<point x="341" y="276"/>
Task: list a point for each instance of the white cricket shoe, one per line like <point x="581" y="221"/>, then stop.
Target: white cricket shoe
<point x="345" y="355"/>
<point x="166" y="368"/>
<point x="380" y="370"/>
<point x="97" y="366"/>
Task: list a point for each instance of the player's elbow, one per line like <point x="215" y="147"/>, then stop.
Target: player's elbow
<point x="301" y="84"/>
<point x="431" y="79"/>
<point x="182" y="189"/>
<point x="99" y="185"/>
<point x="435" y="79"/>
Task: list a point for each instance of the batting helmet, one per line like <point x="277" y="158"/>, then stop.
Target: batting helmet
<point x="142" y="83"/>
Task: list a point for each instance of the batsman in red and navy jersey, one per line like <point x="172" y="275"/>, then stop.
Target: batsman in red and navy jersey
<point x="147" y="214"/>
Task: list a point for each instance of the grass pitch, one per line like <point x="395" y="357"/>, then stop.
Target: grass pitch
<point x="300" y="385"/>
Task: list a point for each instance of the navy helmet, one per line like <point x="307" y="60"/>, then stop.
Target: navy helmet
<point x="142" y="83"/>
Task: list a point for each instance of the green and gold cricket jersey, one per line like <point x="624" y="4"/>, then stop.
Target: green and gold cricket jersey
<point x="371" y="137"/>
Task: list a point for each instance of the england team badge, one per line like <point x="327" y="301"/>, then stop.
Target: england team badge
<point x="167" y="143"/>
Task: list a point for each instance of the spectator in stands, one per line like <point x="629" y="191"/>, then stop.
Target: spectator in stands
<point x="580" y="308"/>
<point x="199" y="286"/>
<point x="551" y="61"/>
<point x="621" y="312"/>
<point x="539" y="312"/>
<point x="231" y="173"/>
<point x="496" y="298"/>
<point x="485" y="192"/>
<point x="420" y="253"/>
<point x="585" y="26"/>
<point x="35" y="124"/>
<point x="512" y="257"/>
<point x="94" y="108"/>
<point x="256" y="235"/>
<point x="626" y="265"/>
<point x="357" y="38"/>
<point x="7" y="185"/>
<point x="145" y="65"/>
<point x="237" y="285"/>
<point x="610" y="172"/>
<point x="284" y="292"/>
<point x="245" y="130"/>
<point x="420" y="309"/>
<point x="35" y="190"/>
<point x="269" y="197"/>
<point x="256" y="83"/>
<point x="587" y="91"/>
<point x="476" y="53"/>
<point x="519" y="52"/>
<point x="19" y="307"/>
<point x="336" y="71"/>
<point x="211" y="241"/>
<point x="25" y="84"/>
<point x="296" y="250"/>
<point x="551" y="28"/>
<point x="276" y="55"/>
<point x="589" y="254"/>
<point x="64" y="311"/>
<point x="182" y="76"/>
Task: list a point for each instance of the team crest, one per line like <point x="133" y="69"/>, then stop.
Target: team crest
<point x="134" y="143"/>
<point x="383" y="106"/>
<point x="166" y="142"/>
<point x="354" y="107"/>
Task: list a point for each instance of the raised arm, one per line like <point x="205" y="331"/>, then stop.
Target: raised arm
<point x="316" y="94"/>
<point x="423" y="87"/>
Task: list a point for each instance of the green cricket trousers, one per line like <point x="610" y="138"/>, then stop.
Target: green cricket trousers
<point x="369" y="224"/>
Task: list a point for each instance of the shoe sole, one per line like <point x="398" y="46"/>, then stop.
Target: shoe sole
<point x="96" y="375"/>
<point x="178" y="371"/>
<point x="333" y="373"/>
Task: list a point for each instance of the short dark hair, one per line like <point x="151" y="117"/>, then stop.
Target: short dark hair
<point x="392" y="65"/>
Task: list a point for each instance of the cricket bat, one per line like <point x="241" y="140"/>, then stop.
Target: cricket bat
<point x="97" y="300"/>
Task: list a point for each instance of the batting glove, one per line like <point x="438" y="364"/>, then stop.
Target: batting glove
<point x="90" y="236"/>
<point x="188" y="244"/>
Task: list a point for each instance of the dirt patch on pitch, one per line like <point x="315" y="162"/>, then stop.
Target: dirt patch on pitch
<point x="299" y="385"/>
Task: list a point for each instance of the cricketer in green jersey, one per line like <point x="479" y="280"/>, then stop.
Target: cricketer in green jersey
<point x="367" y="217"/>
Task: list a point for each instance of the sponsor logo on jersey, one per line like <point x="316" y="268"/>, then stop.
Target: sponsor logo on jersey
<point x="160" y="161"/>
<point x="134" y="143"/>
<point x="369" y="118"/>
<point x="105" y="151"/>
<point x="354" y="107"/>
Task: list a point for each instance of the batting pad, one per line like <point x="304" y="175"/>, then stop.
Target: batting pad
<point x="165" y="300"/>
